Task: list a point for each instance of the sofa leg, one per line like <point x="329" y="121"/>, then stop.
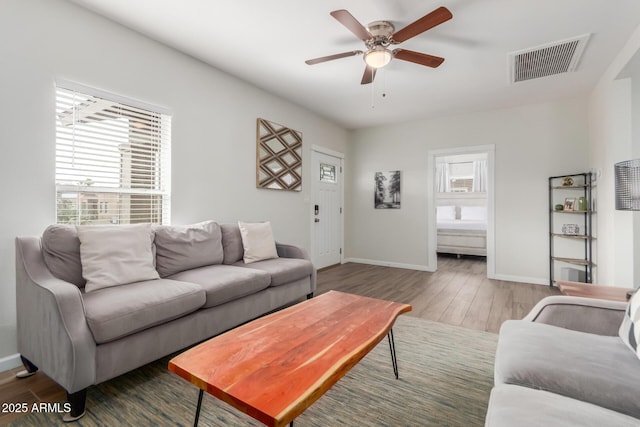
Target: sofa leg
<point x="77" y="401"/>
<point x="310" y="295"/>
<point x="29" y="368"/>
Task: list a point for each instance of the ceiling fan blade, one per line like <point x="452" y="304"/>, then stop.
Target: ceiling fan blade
<point x="430" y="20"/>
<point x="352" y="24"/>
<point x="418" y="58"/>
<point x="369" y="75"/>
<point x="332" y="57"/>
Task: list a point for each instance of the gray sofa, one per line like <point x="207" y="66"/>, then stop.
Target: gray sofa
<point x="81" y="338"/>
<point x="565" y="364"/>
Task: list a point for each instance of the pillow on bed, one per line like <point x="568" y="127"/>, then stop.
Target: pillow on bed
<point x="446" y="213"/>
<point x="474" y="213"/>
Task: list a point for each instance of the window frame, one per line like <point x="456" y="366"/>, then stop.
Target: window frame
<point x="142" y="179"/>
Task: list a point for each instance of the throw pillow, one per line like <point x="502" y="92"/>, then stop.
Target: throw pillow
<point x="446" y="213"/>
<point x="116" y="255"/>
<point x="630" y="328"/>
<point x="61" y="253"/>
<point x="258" y="241"/>
<point x="473" y="213"/>
<point x="180" y="248"/>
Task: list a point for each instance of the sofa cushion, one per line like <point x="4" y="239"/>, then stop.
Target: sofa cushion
<point x="114" y="255"/>
<point x="61" y="253"/>
<point x="282" y="270"/>
<point x="180" y="248"/>
<point x="116" y="312"/>
<point x="511" y="405"/>
<point x="257" y="241"/>
<point x="592" y="368"/>
<point x="231" y="243"/>
<point x="224" y="283"/>
<point x="630" y="327"/>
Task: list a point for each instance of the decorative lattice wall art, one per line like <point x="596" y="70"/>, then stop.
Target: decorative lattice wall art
<point x="278" y="157"/>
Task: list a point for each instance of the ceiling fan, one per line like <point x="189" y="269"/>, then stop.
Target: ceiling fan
<point x="379" y="35"/>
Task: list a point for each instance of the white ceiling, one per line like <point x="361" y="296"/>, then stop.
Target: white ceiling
<point x="265" y="42"/>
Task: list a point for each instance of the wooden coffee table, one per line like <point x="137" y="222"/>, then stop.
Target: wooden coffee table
<point x="275" y="367"/>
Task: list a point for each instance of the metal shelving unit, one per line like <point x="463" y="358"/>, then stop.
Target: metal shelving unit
<point x="571" y="248"/>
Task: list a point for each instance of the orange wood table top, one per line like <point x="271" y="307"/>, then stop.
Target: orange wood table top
<point x="275" y="367"/>
<point x="590" y="290"/>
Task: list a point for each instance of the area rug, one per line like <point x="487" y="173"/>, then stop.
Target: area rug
<point x="446" y="375"/>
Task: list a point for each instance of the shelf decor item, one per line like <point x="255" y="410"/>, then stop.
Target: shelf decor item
<point x="567" y="181"/>
<point x="582" y="204"/>
<point x="571" y="229"/>
<point x="559" y="207"/>
<point x="569" y="204"/>
<point x="627" y="185"/>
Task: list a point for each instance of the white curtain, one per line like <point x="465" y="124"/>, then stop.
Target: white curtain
<point x="442" y="177"/>
<point x="479" y="176"/>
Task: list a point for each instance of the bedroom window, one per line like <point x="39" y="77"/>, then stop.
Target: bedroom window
<point x="462" y="176"/>
<point x="112" y="159"/>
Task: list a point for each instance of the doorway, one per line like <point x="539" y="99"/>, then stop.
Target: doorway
<point x="461" y="218"/>
<point x="326" y="207"/>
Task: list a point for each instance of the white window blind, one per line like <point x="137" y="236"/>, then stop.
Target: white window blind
<point x="112" y="161"/>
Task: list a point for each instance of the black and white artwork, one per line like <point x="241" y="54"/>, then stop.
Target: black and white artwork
<point x="387" y="190"/>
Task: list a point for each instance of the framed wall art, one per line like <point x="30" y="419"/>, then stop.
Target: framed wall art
<point x="387" y="190"/>
<point x="278" y="157"/>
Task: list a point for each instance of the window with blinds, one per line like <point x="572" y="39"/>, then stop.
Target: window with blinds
<point x="112" y="160"/>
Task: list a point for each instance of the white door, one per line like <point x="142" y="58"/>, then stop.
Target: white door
<point x="326" y="209"/>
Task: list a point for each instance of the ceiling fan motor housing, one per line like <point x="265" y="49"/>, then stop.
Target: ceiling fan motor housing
<point x="381" y="32"/>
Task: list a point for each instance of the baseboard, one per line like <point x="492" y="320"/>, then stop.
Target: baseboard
<point x="520" y="279"/>
<point x="505" y="277"/>
<point x="10" y="362"/>
<point x="390" y="264"/>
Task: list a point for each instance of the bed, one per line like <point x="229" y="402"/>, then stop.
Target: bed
<point x="462" y="230"/>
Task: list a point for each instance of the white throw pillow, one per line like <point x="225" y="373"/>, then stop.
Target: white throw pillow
<point x="630" y="328"/>
<point x="446" y="213"/>
<point x="113" y="255"/>
<point x="258" y="241"/>
<point x="473" y="213"/>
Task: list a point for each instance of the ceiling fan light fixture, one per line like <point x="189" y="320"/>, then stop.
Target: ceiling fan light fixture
<point x="378" y="57"/>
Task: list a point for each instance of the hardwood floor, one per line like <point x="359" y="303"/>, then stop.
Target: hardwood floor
<point x="458" y="294"/>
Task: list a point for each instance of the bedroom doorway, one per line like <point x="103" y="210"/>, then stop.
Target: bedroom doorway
<point x="461" y="200"/>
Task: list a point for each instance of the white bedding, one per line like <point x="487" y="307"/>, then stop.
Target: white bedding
<point x="461" y="224"/>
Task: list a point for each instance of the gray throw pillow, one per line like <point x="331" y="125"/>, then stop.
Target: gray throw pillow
<point x="180" y="248"/>
<point x="61" y="253"/>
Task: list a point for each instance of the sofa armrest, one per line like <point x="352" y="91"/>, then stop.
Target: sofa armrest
<point x="595" y="316"/>
<point x="291" y="251"/>
<point x="52" y="329"/>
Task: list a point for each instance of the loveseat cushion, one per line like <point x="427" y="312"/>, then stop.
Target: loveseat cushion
<point x="593" y="368"/>
<point x="231" y="243"/>
<point x="512" y="405"/>
<point x="119" y="311"/>
<point x="282" y="270"/>
<point x="180" y="248"/>
<point x="61" y="253"/>
<point x="224" y="283"/>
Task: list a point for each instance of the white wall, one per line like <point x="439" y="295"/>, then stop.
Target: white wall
<point x="614" y="134"/>
<point x="214" y="127"/>
<point x="531" y="143"/>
